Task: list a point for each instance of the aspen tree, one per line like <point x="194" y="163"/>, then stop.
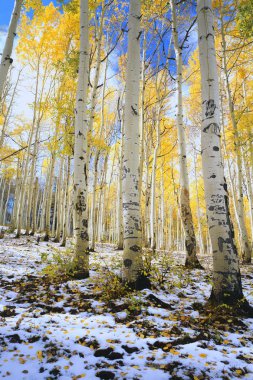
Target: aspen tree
<point x="185" y="209"/>
<point x="65" y="209"/>
<point x="6" y="60"/>
<point x="81" y="239"/>
<point x="246" y="249"/>
<point x="227" y="287"/>
<point x="132" y="256"/>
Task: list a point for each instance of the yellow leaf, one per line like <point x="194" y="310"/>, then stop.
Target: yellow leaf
<point x="39" y="355"/>
<point x="22" y="361"/>
<point x="203" y="355"/>
<point x="174" y="352"/>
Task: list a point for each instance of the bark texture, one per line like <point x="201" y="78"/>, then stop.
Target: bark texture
<point x="185" y="209"/>
<point x="132" y="257"/>
<point x="81" y="239"/>
<point x="6" y="60"/>
<point x="226" y="273"/>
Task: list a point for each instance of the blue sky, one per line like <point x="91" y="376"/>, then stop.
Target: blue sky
<point x="6" y="7"/>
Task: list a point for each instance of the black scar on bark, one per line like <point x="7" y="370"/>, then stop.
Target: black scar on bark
<point x="212" y="128"/>
<point x="210" y="108"/>
<point x="85" y="223"/>
<point x="128" y="263"/>
<point x="84" y="236"/>
<point x="135" y="248"/>
<point x="216" y="148"/>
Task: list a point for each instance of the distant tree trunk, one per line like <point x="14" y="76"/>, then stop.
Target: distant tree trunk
<point x="6" y="60"/>
<point x="120" y="204"/>
<point x="227" y="287"/>
<point x="246" y="249"/>
<point x="49" y="198"/>
<point x="153" y="182"/>
<point x="65" y="208"/>
<point x="81" y="238"/>
<point x="132" y="257"/>
<point x="35" y="205"/>
<point x="93" y="202"/>
<point x="2" y="201"/>
<point x="201" y="244"/>
<point x="61" y="189"/>
<point x="7" y="114"/>
<point x="186" y="214"/>
<point x="6" y="205"/>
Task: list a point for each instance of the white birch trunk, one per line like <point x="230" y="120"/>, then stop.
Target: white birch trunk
<point x="35" y="205"/>
<point x="185" y="209"/>
<point x="49" y="199"/>
<point x="226" y="274"/>
<point x="246" y="250"/>
<point x="132" y="257"/>
<point x="65" y="208"/>
<point x="6" y="60"/>
<point x="81" y="238"/>
<point x="153" y="184"/>
<point x="6" y="204"/>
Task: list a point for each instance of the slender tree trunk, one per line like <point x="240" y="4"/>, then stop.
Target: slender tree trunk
<point x="132" y="257"/>
<point x="246" y="250"/>
<point x="35" y="205"/>
<point x="227" y="287"/>
<point x="2" y="202"/>
<point x="49" y="198"/>
<point x="59" y="203"/>
<point x="93" y="202"/>
<point x="186" y="214"/>
<point x="201" y="244"/>
<point x="6" y="205"/>
<point x="153" y="223"/>
<point x="8" y="112"/>
<point x="6" y="60"/>
<point x="65" y="208"/>
<point x="120" y="204"/>
<point x="81" y="238"/>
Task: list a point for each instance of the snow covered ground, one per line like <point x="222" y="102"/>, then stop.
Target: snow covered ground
<point x="66" y="331"/>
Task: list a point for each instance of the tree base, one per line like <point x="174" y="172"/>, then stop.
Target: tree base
<point x="17" y="236"/>
<point x="119" y="248"/>
<point x="55" y="240"/>
<point x="63" y="244"/>
<point x="78" y="275"/>
<point x="193" y="265"/>
<point x="247" y="262"/>
<point x="229" y="305"/>
<point x="142" y="282"/>
<point x="45" y="238"/>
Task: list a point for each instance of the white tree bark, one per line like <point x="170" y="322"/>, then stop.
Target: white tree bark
<point x="65" y="207"/>
<point x="185" y="209"/>
<point x="132" y="257"/>
<point x="6" y="60"/>
<point x="153" y="180"/>
<point x="246" y="249"/>
<point x="226" y="274"/>
<point x="6" y="205"/>
<point x="81" y="239"/>
<point x="35" y="205"/>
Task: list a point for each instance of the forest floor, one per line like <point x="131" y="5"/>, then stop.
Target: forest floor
<point x="52" y="329"/>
